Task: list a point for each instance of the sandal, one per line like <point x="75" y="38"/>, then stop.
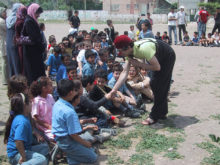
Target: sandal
<point x="148" y="121"/>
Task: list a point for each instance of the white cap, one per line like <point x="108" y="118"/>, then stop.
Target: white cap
<point x="181" y="7"/>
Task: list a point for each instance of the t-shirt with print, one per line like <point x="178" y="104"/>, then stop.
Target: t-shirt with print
<point x="20" y="130"/>
<point x="204" y="16"/>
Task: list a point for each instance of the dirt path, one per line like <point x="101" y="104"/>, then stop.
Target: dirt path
<point x="195" y="97"/>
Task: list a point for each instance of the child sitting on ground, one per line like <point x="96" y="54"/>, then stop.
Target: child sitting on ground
<point x="186" y="39"/>
<point x="110" y="64"/>
<point x="66" y="127"/>
<point x="165" y="37"/>
<point x="123" y="90"/>
<point x="116" y="102"/>
<point x="209" y="39"/>
<point x="146" y="31"/>
<point x="72" y="72"/>
<point x="89" y="67"/>
<point x="195" y="39"/>
<point x="215" y="38"/>
<point x="18" y="134"/>
<point x="53" y="63"/>
<point x="104" y="42"/>
<point x="138" y="83"/>
<point x="158" y="36"/>
<point x="203" y="40"/>
<point x="103" y="54"/>
<point x="42" y="104"/>
<point x="62" y="74"/>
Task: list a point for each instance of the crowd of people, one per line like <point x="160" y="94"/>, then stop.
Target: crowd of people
<point x="69" y="94"/>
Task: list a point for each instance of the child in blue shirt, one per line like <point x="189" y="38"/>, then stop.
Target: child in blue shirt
<point x="53" y="63"/>
<point x="89" y="67"/>
<point x="103" y="54"/>
<point x="18" y="135"/>
<point x="146" y="32"/>
<point x="104" y="43"/>
<point x="195" y="39"/>
<point x="66" y="126"/>
<point x="62" y="73"/>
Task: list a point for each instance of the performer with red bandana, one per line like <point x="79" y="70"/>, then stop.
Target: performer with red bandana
<point x="160" y="59"/>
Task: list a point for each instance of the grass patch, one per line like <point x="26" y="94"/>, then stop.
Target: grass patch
<point x="173" y="155"/>
<point x="214" y="151"/>
<point x="122" y="142"/>
<point x="114" y="159"/>
<point x="215" y="117"/>
<point x="142" y="159"/>
<point x="206" y="82"/>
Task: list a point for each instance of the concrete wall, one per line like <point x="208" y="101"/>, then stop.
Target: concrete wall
<point x="100" y="16"/>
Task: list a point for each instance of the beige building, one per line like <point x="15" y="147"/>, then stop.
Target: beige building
<point x="129" y="6"/>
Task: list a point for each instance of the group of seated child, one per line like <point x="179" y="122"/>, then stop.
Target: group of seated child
<point x="79" y="110"/>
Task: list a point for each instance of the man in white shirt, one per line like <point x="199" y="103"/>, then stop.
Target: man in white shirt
<point x="172" y="21"/>
<point x="181" y="18"/>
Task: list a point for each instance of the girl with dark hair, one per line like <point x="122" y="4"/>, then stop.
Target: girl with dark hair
<point x="17" y="84"/>
<point x="18" y="135"/>
<point x="42" y="105"/>
<point x="146" y="30"/>
<point x="33" y="54"/>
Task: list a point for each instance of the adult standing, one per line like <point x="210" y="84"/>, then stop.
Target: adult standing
<point x="75" y="21"/>
<point x="12" y="50"/>
<point x="160" y="59"/>
<point x="172" y="18"/>
<point x="150" y="19"/>
<point x="21" y="14"/>
<point x="196" y="18"/>
<point x="181" y="18"/>
<point x="203" y="18"/>
<point x="217" y="21"/>
<point x="3" y="55"/>
<point x="33" y="54"/>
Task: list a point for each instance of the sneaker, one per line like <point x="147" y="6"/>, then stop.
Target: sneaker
<point x="132" y="114"/>
<point x="111" y="131"/>
<point x="103" y="137"/>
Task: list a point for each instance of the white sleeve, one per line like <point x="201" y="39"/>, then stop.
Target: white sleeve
<point x="81" y="56"/>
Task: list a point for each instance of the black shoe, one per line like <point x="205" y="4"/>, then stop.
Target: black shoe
<point x="132" y="114"/>
<point x="140" y="111"/>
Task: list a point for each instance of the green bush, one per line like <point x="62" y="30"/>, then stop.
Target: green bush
<point x="211" y="6"/>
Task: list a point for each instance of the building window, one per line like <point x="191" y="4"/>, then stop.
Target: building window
<point x="115" y="7"/>
<point x="128" y="6"/>
<point x="136" y="6"/>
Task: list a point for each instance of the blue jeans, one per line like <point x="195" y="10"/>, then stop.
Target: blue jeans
<point x="76" y="152"/>
<point x="202" y="28"/>
<point x="172" y="28"/>
<point x="35" y="156"/>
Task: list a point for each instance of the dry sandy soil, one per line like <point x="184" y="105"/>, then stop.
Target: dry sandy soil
<point x="195" y="97"/>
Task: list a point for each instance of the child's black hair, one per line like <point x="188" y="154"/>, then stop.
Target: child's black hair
<point x="36" y="86"/>
<point x="64" y="86"/>
<point x="70" y="67"/>
<point x="57" y="49"/>
<point x="110" y="58"/>
<point x="17" y="84"/>
<point x="65" y="39"/>
<point x="165" y="32"/>
<point x="63" y="56"/>
<point x="126" y="33"/>
<point x="117" y="67"/>
<point x="109" y="22"/>
<point x="101" y="73"/>
<point x="89" y="53"/>
<point x="51" y="39"/>
<point x="75" y="53"/>
<point x="17" y="103"/>
<point x="103" y="51"/>
<point x="79" y="39"/>
<point x="196" y="33"/>
<point x="87" y="80"/>
<point x="41" y="25"/>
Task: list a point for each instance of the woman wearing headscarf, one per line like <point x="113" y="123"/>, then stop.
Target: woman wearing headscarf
<point x="12" y="51"/>
<point x="3" y="55"/>
<point x="21" y="14"/>
<point x="33" y="54"/>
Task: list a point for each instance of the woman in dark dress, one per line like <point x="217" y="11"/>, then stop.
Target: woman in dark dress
<point x="12" y="50"/>
<point x="33" y="54"/>
<point x="160" y="59"/>
<point x="21" y="14"/>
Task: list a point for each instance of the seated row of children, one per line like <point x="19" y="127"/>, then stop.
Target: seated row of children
<point x="210" y="41"/>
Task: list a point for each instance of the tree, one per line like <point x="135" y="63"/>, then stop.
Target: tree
<point x="211" y="6"/>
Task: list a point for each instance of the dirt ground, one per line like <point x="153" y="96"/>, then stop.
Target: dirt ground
<point x="195" y="97"/>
